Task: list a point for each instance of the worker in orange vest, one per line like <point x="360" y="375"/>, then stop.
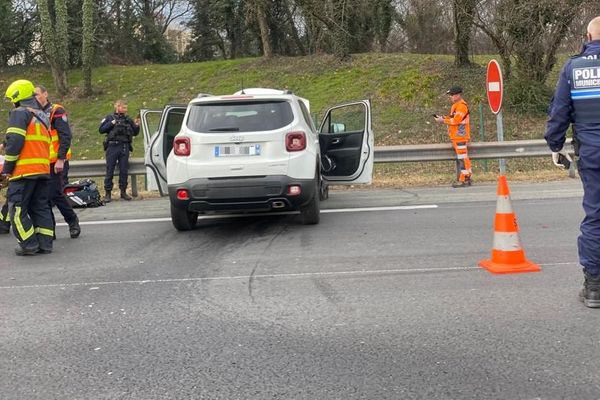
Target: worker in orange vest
<point x="60" y="154"/>
<point x="459" y="130"/>
<point x="27" y="168"/>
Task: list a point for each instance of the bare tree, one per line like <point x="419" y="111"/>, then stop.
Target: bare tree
<point x="54" y="41"/>
<point x="528" y="32"/>
<point x="463" y="24"/>
<point x="258" y="9"/>
<point x="87" y="47"/>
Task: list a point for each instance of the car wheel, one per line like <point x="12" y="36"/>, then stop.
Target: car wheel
<point x="323" y="189"/>
<point x="311" y="212"/>
<point x="183" y="220"/>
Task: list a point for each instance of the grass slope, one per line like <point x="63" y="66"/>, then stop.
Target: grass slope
<point x="405" y="89"/>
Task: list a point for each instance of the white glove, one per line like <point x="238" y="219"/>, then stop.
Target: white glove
<point x="562" y="159"/>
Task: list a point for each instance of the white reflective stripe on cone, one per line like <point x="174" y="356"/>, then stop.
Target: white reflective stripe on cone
<point x="503" y="205"/>
<point x="505" y="241"/>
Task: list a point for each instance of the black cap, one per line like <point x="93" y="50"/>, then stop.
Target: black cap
<point x="454" y="90"/>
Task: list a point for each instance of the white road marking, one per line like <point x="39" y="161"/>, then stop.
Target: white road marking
<point x="327" y="211"/>
<point x="264" y="276"/>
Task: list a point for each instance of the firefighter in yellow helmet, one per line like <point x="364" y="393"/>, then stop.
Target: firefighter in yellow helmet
<point x="27" y="168"/>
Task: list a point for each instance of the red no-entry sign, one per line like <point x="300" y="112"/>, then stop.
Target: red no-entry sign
<point x="494" y="86"/>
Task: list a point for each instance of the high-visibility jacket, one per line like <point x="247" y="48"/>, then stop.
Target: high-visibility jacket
<point x="55" y="143"/>
<point x="34" y="158"/>
<point x="459" y="127"/>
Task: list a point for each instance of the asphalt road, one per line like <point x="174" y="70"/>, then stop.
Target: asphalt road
<point x="382" y="300"/>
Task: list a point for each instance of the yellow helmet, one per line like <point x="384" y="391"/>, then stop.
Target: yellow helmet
<point x="20" y="90"/>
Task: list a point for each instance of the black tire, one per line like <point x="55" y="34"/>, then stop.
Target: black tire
<point x="311" y="212"/>
<point x="323" y="190"/>
<point x="183" y="220"/>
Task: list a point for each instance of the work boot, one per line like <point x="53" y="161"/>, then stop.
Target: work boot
<point x="4" y="227"/>
<point x="468" y="181"/>
<point x="459" y="184"/>
<point x="24" y="251"/>
<point x="124" y="195"/>
<point x="590" y="294"/>
<point x="74" y="229"/>
<point x="108" y="197"/>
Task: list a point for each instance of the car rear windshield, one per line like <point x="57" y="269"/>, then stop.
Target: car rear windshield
<point x="239" y="116"/>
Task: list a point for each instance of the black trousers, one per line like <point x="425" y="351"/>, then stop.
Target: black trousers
<point x="57" y="197"/>
<point x="30" y="212"/>
<point x="4" y="217"/>
<point x="116" y="153"/>
<point x="65" y="173"/>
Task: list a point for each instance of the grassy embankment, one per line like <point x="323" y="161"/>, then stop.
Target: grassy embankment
<point x="405" y="90"/>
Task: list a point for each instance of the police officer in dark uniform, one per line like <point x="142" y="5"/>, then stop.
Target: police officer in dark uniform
<point x="120" y="130"/>
<point x="577" y="101"/>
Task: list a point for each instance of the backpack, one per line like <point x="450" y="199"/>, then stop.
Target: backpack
<point x="83" y="193"/>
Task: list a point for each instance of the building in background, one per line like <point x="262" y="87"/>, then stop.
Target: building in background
<point x="179" y="39"/>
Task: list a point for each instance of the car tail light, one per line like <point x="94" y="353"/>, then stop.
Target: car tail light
<point x="294" y="190"/>
<point x="183" y="194"/>
<point x="182" y="146"/>
<point x="295" y="141"/>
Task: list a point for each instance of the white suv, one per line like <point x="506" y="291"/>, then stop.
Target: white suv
<point x="255" y="150"/>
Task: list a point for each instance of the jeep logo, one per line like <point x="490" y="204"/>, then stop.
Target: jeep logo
<point x="236" y="139"/>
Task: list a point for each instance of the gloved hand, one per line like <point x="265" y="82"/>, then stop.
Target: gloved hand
<point x="562" y="159"/>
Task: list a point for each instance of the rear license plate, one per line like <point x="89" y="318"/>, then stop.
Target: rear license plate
<point x="233" y="150"/>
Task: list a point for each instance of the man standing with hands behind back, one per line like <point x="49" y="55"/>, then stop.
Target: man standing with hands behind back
<point x="120" y="130"/>
<point x="459" y="130"/>
<point x="577" y="101"/>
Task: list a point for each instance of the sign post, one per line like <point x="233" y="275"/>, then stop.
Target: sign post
<point x="495" y="89"/>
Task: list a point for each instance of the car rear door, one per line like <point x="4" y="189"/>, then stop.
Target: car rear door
<point x="347" y="144"/>
<point x="160" y="143"/>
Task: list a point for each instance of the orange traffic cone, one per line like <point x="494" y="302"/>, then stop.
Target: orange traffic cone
<point x="508" y="256"/>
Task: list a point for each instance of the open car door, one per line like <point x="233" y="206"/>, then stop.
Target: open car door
<point x="347" y="144"/>
<point x="160" y="143"/>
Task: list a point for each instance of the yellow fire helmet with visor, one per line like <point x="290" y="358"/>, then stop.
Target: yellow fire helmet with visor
<point x="20" y="90"/>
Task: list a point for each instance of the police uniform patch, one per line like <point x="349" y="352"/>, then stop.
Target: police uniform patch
<point x="587" y="77"/>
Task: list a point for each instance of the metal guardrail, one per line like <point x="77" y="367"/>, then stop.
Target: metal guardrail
<point x="477" y="150"/>
<point x="97" y="168"/>
<point x="383" y="154"/>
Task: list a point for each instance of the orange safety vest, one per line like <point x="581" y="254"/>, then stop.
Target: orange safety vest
<point x="55" y="144"/>
<point x="34" y="158"/>
<point x="459" y="127"/>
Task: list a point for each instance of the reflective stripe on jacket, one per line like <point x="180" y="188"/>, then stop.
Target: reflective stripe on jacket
<point x="459" y="127"/>
<point x="55" y="143"/>
<point x="34" y="158"/>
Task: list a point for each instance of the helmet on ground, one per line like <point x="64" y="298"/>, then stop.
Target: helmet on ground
<point x="19" y="90"/>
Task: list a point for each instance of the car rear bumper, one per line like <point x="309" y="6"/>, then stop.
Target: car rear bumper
<point x="256" y="194"/>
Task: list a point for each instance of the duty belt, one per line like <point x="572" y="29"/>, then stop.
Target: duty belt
<point x="116" y="142"/>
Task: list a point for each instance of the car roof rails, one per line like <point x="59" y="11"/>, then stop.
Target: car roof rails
<point x="258" y="91"/>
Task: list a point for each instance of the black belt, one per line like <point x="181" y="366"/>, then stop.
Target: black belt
<point x="116" y="142"/>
